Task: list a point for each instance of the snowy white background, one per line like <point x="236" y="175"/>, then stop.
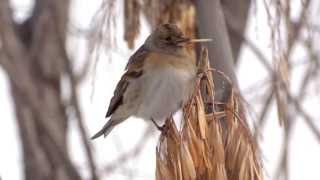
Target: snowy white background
<point x="304" y="153"/>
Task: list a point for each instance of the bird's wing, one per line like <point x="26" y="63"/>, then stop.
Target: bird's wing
<point x="134" y="70"/>
<point x="137" y="59"/>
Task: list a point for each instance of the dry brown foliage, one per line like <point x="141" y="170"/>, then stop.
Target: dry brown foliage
<point x="157" y="12"/>
<point x="200" y="149"/>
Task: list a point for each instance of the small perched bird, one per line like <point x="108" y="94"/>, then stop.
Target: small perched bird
<point x="159" y="79"/>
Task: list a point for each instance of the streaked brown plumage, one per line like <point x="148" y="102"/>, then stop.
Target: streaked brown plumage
<point x="159" y="78"/>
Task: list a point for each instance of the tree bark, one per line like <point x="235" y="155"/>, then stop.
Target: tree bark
<point x="35" y="60"/>
<point x="211" y="24"/>
<point x="236" y="11"/>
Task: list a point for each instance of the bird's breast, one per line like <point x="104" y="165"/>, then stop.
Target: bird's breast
<point x="165" y="89"/>
<point x="156" y="61"/>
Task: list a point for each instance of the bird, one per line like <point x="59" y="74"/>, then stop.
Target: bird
<point x="159" y="78"/>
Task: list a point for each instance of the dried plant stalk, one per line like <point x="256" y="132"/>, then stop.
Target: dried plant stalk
<point x="132" y="21"/>
<point x="200" y="150"/>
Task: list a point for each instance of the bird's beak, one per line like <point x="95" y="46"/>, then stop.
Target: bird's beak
<point x="199" y="40"/>
<point x="188" y="40"/>
<point x="182" y="40"/>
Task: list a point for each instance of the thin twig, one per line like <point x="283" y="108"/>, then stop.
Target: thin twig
<point x="263" y="113"/>
<point x="130" y="154"/>
<point x="75" y="105"/>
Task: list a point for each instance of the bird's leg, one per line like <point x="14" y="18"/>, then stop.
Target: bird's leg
<point x="163" y="128"/>
<point x="154" y="122"/>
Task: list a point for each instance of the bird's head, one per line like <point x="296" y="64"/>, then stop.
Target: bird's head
<point x="168" y="37"/>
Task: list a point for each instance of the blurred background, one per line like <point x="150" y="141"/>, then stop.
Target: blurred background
<point x="60" y="62"/>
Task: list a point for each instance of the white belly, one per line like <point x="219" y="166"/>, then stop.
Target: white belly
<point x="167" y="90"/>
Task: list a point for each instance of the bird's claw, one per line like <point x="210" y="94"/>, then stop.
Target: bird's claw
<point x="164" y="128"/>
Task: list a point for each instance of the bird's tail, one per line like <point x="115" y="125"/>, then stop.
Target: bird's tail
<point x="107" y="128"/>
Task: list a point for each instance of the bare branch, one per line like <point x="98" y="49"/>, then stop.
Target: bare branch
<point x="263" y="113"/>
<point x="130" y="154"/>
<point x="75" y="105"/>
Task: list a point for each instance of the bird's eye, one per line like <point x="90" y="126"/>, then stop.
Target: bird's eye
<point x="168" y="38"/>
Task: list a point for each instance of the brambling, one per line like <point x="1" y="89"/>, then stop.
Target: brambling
<point x="159" y="78"/>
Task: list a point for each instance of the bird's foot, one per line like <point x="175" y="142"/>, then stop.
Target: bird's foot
<point x="164" y="128"/>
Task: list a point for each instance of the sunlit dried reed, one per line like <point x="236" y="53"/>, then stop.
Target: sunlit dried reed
<point x="208" y="146"/>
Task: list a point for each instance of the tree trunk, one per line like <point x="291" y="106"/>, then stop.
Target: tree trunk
<point x="35" y="60"/>
<point x="236" y="11"/>
<point x="211" y="24"/>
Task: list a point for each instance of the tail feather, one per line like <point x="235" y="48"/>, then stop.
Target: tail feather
<point x="107" y="128"/>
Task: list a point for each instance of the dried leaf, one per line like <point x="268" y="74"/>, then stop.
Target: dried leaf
<point x="281" y="109"/>
<point x="132" y="21"/>
<point x="202" y="119"/>
<point x="283" y="71"/>
<point x="186" y="157"/>
<point x="200" y="150"/>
